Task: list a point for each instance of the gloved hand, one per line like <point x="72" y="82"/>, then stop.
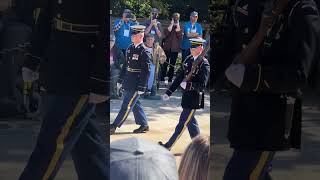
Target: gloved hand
<point x="119" y="85"/>
<point x="140" y="92"/>
<point x="97" y="98"/>
<point x="183" y="85"/>
<point x="28" y="75"/>
<point x="165" y="97"/>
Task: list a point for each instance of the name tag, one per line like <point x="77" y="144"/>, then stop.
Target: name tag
<point x="126" y="33"/>
<point x="153" y="32"/>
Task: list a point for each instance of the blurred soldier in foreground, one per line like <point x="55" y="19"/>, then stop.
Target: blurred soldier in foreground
<point x="73" y="40"/>
<point x="267" y="76"/>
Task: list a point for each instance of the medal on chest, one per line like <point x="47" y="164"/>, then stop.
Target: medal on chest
<point x="135" y="57"/>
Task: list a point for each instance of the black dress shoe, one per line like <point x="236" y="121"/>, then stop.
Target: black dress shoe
<point x="141" y="129"/>
<point x="163" y="145"/>
<point x="112" y="129"/>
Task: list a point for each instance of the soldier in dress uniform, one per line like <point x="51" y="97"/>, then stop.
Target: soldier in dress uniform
<point x="267" y="77"/>
<point x="72" y="40"/>
<point x="133" y="78"/>
<point x="193" y="91"/>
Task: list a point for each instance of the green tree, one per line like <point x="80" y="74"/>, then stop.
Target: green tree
<point x="142" y="8"/>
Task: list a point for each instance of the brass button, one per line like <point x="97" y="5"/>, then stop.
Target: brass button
<point x="92" y="45"/>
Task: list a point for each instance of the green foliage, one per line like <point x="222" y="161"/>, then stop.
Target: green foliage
<point x="141" y="8"/>
<point x="216" y="11"/>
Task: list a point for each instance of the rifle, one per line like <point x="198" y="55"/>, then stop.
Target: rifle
<point x="197" y="62"/>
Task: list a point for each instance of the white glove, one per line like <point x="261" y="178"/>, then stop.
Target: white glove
<point x="119" y="85"/>
<point x="28" y="75"/>
<point x="140" y="92"/>
<point x="183" y="85"/>
<point x="165" y="97"/>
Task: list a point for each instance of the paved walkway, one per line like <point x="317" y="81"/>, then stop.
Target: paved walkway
<point x="18" y="136"/>
<point x="163" y="118"/>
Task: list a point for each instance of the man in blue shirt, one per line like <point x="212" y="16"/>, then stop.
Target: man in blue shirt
<point x="121" y="30"/>
<point x="191" y="29"/>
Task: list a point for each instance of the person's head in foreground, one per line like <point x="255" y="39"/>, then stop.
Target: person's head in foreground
<point x="138" y="159"/>
<point x="194" y="164"/>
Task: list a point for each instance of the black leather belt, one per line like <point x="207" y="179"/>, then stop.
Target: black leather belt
<point x="75" y="28"/>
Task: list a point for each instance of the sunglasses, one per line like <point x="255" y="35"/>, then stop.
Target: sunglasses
<point x="194" y="46"/>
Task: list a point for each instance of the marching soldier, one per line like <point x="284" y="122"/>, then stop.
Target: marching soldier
<point x="193" y="91"/>
<point x="72" y="40"/>
<point x="267" y="77"/>
<point x="134" y="76"/>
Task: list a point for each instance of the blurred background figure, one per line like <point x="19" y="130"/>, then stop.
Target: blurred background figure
<point x="116" y="61"/>
<point x="17" y="19"/>
<point x="171" y="46"/>
<point x="157" y="56"/>
<point x="191" y="29"/>
<point x="154" y="26"/>
<point x="121" y="30"/>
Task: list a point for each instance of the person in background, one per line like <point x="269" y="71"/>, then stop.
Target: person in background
<point x="154" y="26"/>
<point x="171" y="46"/>
<point x="191" y="29"/>
<point x="121" y="30"/>
<point x="195" y="160"/>
<point x="116" y="61"/>
<point x="157" y="56"/>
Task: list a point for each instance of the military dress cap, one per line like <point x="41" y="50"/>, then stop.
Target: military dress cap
<point x="195" y="42"/>
<point x="136" y="29"/>
<point x="139" y="159"/>
<point x="194" y="14"/>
